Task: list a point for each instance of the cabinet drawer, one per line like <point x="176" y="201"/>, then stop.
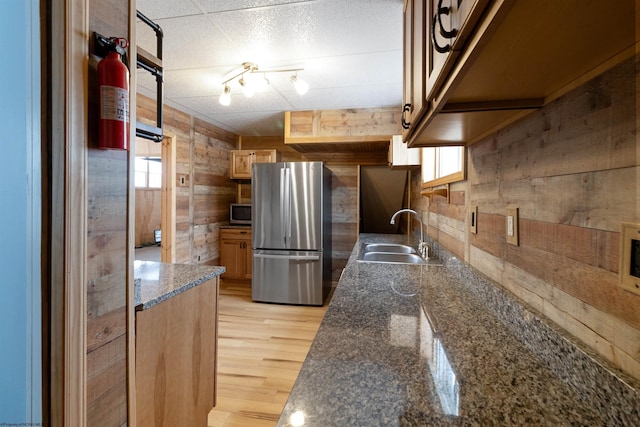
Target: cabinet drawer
<point x="235" y="233"/>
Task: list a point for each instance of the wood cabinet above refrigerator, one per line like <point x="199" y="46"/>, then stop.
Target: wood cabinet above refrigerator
<point x="511" y="57"/>
<point x="241" y="161"/>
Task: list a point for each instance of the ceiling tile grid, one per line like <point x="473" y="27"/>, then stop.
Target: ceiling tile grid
<point x="351" y="52"/>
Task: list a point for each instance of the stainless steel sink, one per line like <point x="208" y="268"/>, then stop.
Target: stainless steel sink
<point x="387" y="247"/>
<point x="389" y="253"/>
<point x="390" y="257"/>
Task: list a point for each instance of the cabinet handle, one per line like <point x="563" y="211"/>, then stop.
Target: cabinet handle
<point x="449" y="34"/>
<point x="405" y="108"/>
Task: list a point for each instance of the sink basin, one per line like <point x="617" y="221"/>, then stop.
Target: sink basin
<point x="392" y="253"/>
<point x="388" y="247"/>
<point x="391" y="257"/>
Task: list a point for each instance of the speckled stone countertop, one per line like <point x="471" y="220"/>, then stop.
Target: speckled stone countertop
<point x="157" y="281"/>
<point x="409" y="345"/>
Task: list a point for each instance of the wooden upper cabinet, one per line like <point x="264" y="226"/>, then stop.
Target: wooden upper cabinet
<point x="402" y="157"/>
<point x="510" y="57"/>
<point x="414" y="101"/>
<point x="241" y="161"/>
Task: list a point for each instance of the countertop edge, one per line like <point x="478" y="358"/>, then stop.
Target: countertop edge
<point x="156" y="282"/>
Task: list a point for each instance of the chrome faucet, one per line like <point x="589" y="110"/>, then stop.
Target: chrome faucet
<point x="423" y="249"/>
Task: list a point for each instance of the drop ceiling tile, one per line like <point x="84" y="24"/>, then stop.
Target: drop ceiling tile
<point x="157" y="9"/>
<point x="349" y="97"/>
<point x="213" y="6"/>
<point x="269" y="123"/>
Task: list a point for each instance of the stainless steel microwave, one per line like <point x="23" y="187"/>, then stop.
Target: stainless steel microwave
<point x="240" y="214"/>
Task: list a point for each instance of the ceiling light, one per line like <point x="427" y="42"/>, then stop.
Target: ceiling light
<point x="251" y="81"/>
<point x="247" y="87"/>
<point x="225" y="97"/>
<point x="301" y="86"/>
<point x="260" y="83"/>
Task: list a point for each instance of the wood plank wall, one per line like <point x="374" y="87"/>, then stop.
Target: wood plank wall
<point x="148" y="215"/>
<point x="202" y="202"/>
<point x="572" y="169"/>
<point x="107" y="189"/>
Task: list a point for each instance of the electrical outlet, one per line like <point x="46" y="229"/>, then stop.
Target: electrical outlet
<point x="629" y="268"/>
<point x="473" y="219"/>
<point x="512" y="226"/>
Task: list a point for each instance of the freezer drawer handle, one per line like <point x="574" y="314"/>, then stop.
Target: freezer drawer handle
<point x="291" y="257"/>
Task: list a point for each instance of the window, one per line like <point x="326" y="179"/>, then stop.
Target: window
<point x="148" y="172"/>
<point x="442" y="165"/>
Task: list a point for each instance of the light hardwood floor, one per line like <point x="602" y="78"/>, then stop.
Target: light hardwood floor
<point x="261" y="350"/>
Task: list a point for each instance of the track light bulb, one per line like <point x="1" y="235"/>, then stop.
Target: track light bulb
<point x="301" y="86"/>
<point x="247" y="88"/>
<point x="260" y="83"/>
<point x="225" y="97"/>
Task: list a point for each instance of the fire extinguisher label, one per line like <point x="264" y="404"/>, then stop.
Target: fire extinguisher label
<point x="114" y="103"/>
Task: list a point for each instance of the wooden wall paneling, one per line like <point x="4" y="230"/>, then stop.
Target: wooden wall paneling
<point x="168" y="199"/>
<point x="148" y="215"/>
<point x="202" y="202"/>
<point x="344" y="215"/>
<point x="107" y="383"/>
<point x="109" y="229"/>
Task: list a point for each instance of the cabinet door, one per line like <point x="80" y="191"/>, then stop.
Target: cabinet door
<point x="248" y="253"/>
<point x="418" y="97"/>
<point x="407" y="69"/>
<point x="233" y="258"/>
<point x="264" y="156"/>
<point x="241" y="164"/>
<point x="440" y="41"/>
<point x="414" y="64"/>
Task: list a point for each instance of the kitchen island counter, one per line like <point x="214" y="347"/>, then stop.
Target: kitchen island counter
<point x="176" y="336"/>
<point x="158" y="281"/>
<point x="406" y="345"/>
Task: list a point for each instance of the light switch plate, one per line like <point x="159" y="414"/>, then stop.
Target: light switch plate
<point x="512" y="226"/>
<point x="629" y="270"/>
<point x="473" y="219"/>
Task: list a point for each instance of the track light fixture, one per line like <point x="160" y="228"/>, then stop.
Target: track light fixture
<point x="225" y="98"/>
<point x="301" y="86"/>
<point x="253" y="80"/>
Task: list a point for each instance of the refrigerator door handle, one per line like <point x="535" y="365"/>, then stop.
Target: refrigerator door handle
<point x="285" y="192"/>
<point x="314" y="257"/>
<point x="282" y="205"/>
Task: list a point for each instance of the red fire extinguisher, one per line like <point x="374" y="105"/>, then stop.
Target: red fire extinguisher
<point x="113" y="82"/>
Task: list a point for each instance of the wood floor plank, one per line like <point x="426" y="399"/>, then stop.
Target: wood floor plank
<point x="261" y="348"/>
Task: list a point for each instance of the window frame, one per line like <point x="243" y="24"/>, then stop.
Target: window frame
<point x="457" y="176"/>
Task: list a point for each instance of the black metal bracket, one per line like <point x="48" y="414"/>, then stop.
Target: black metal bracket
<point x="102" y="46"/>
<point x="153" y="133"/>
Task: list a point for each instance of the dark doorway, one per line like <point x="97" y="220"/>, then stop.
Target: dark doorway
<point x="382" y="192"/>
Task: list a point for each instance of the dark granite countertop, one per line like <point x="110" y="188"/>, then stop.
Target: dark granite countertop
<point x="409" y="345"/>
<point x="157" y="281"/>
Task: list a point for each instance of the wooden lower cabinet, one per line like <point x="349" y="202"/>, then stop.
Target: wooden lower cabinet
<point x="176" y="357"/>
<point x="236" y="254"/>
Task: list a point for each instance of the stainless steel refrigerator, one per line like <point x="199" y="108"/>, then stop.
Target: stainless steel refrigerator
<point x="291" y="235"/>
